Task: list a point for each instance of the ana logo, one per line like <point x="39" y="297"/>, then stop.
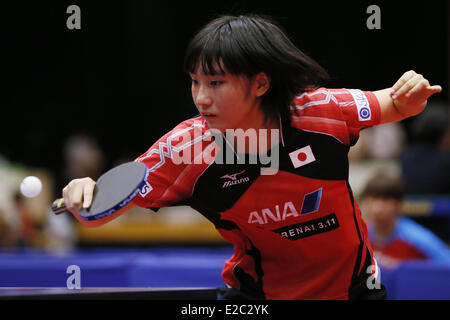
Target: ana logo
<point x="234" y="180"/>
<point x="281" y="212"/>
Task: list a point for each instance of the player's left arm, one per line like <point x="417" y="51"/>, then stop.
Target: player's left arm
<point x="407" y="97"/>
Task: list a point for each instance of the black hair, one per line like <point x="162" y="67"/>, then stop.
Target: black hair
<point x="430" y="126"/>
<point x="250" y="44"/>
<point x="384" y="185"/>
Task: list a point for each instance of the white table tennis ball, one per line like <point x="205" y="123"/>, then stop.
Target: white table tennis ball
<point x="31" y="186"/>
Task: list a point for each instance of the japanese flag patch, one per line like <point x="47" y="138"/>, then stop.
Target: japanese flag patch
<point x="302" y="156"/>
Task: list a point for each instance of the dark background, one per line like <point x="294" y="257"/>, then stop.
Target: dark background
<point x="119" y="78"/>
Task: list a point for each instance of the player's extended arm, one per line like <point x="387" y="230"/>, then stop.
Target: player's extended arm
<point x="407" y="97"/>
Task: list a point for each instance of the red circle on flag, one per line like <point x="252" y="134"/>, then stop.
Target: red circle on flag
<point x="301" y="156"/>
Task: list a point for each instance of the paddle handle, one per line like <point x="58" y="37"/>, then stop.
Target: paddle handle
<point x="59" y="206"/>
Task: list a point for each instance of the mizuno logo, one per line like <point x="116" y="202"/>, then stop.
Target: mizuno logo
<point x="234" y="180"/>
<point x="232" y="176"/>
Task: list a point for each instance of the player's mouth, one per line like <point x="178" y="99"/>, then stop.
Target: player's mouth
<point x="208" y="115"/>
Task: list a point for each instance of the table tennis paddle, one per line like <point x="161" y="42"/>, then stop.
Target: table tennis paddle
<point x="113" y="194"/>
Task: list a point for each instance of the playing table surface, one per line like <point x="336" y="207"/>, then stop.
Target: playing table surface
<point x="33" y="293"/>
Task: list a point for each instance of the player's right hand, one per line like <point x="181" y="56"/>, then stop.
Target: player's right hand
<point x="78" y="193"/>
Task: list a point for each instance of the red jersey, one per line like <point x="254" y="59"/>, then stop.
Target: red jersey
<point x="297" y="234"/>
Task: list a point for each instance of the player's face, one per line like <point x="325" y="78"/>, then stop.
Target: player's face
<point x="227" y="101"/>
<point x="382" y="211"/>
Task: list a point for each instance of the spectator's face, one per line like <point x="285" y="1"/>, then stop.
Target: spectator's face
<point x="382" y="211"/>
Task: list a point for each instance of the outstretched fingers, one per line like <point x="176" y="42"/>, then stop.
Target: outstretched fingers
<point x="412" y="84"/>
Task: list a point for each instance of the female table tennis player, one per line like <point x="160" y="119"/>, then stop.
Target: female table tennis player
<point x="297" y="230"/>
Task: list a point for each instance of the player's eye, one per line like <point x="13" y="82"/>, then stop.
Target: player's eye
<point x="194" y="82"/>
<point x="216" y="83"/>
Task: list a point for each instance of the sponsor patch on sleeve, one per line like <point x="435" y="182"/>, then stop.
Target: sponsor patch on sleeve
<point x="362" y="104"/>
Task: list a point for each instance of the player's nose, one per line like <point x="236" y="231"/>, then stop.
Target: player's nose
<point x="202" y="99"/>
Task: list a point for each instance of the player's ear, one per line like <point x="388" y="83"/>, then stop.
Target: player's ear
<point x="262" y="84"/>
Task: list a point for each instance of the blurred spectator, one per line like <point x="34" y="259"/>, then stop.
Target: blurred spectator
<point x="31" y="230"/>
<point x="395" y="238"/>
<point x="60" y="234"/>
<point x="425" y="162"/>
<point x="9" y="223"/>
<point x="8" y="234"/>
<point x="83" y="157"/>
<point x="26" y="222"/>
<point x="383" y="142"/>
<point x="378" y="149"/>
